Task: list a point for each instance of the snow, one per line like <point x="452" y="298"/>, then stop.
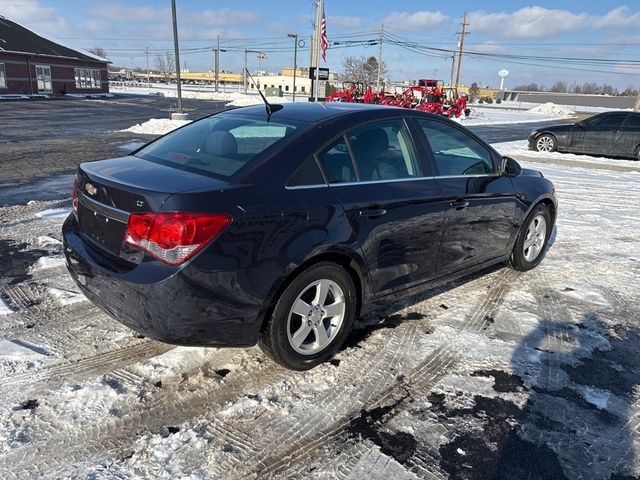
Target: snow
<point x="54" y="213"/>
<point x="157" y="126"/>
<point x="530" y="105"/>
<point x="47" y="241"/>
<point x="66" y="297"/>
<point x="492" y="116"/>
<point x="16" y="350"/>
<point x="596" y="397"/>
<point x="521" y="148"/>
<point x="4" y="309"/>
<point x="553" y="109"/>
<point x="45" y="263"/>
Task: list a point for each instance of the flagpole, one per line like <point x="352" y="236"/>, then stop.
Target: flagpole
<point x="317" y="59"/>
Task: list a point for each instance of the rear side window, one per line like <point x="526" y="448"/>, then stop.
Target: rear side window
<point x="221" y="145"/>
<point x="455" y="152"/>
<point x="384" y="151"/>
<point x="632" y="121"/>
<point x="308" y="174"/>
<point x="336" y="162"/>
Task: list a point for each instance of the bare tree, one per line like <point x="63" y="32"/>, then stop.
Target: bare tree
<point x="363" y="70"/>
<point x="166" y="64"/>
<point x="100" y="52"/>
<point x="559" y="87"/>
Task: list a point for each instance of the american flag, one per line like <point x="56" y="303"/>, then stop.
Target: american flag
<point x="324" y="43"/>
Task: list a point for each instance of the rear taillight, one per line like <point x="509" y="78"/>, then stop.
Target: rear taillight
<point x="174" y="237"/>
<point x="74" y="195"/>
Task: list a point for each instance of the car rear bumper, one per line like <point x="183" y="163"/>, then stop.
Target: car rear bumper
<point x="181" y="306"/>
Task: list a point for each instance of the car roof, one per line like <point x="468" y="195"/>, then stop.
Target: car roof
<point x="315" y="112"/>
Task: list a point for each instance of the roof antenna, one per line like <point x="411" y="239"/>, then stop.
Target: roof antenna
<point x="270" y="108"/>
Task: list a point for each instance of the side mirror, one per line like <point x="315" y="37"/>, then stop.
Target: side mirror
<point x="510" y="168"/>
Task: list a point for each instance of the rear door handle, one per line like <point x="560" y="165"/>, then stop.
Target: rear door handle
<point x="459" y="204"/>
<point x="372" y="212"/>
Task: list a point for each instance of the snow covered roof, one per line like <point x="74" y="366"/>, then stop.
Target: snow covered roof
<point x="15" y="38"/>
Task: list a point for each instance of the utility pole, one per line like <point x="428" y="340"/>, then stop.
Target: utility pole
<point x="311" y="45"/>
<point x="146" y="53"/>
<point x="462" y="34"/>
<point x="295" y="61"/>
<point x="180" y="115"/>
<point x="318" y="34"/>
<point x="244" y="72"/>
<point x="380" y="56"/>
<point x="453" y="64"/>
<point x="217" y="65"/>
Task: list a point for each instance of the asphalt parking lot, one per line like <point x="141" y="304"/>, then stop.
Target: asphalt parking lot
<point x="500" y="375"/>
<point x="43" y="138"/>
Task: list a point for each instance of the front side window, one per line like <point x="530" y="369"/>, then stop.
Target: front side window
<point x="384" y="151"/>
<point x="455" y="152"/>
<point x="221" y="145"/>
<point x="3" y="76"/>
<point x="606" y="120"/>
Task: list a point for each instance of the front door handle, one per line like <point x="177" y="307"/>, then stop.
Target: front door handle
<point x="459" y="204"/>
<point x="372" y="212"/>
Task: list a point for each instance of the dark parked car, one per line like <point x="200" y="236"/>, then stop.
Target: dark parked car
<point x="240" y="229"/>
<point x="614" y="134"/>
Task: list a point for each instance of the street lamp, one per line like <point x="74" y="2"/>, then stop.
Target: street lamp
<point x="295" y="61"/>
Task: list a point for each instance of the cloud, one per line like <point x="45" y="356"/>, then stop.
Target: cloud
<point x="34" y="15"/>
<point x="620" y="17"/>
<point x="539" y="22"/>
<point x="144" y="14"/>
<point x="415" y="20"/>
<point x="528" y="22"/>
<point x="345" y="22"/>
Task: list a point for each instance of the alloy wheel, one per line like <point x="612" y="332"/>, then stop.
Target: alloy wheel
<point x="534" y="241"/>
<point x="316" y="317"/>
<point x="545" y="144"/>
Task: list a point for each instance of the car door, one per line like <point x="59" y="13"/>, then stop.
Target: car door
<point x="599" y="135"/>
<point x="630" y="142"/>
<point x="479" y="220"/>
<point x="391" y="200"/>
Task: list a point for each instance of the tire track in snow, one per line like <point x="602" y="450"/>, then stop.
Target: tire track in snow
<point x="417" y="383"/>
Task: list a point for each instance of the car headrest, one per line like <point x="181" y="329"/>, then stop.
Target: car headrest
<point x="221" y="143"/>
<point x="372" y="142"/>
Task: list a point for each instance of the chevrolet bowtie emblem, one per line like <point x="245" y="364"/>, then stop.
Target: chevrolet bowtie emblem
<point x="90" y="189"/>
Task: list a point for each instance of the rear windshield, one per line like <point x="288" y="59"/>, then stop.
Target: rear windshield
<point x="221" y="145"/>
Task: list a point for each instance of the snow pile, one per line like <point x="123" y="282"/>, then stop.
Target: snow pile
<point x="551" y="108"/>
<point x="156" y="126"/>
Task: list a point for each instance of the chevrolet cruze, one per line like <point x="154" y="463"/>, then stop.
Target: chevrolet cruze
<point x="280" y="227"/>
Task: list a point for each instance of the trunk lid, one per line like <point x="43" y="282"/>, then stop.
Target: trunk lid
<point x="109" y="190"/>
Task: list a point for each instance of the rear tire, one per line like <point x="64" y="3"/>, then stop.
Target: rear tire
<point x="532" y="240"/>
<point x="636" y="157"/>
<point x="312" y="317"/>
<point x="546" y="143"/>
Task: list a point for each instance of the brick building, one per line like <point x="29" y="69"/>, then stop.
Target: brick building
<point x="31" y="64"/>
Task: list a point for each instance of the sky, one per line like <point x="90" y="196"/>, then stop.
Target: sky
<point x="418" y="40"/>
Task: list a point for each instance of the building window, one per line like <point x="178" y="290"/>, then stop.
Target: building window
<point x="286" y="88"/>
<point x="3" y="76"/>
<point x="88" y="78"/>
<point x="303" y="89"/>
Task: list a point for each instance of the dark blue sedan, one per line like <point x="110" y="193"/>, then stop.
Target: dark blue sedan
<point x="279" y="229"/>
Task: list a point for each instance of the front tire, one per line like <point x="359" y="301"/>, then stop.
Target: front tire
<point x="312" y="317"/>
<point x="546" y="143"/>
<point x="532" y="240"/>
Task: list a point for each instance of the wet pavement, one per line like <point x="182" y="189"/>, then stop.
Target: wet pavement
<point x="46" y="138"/>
